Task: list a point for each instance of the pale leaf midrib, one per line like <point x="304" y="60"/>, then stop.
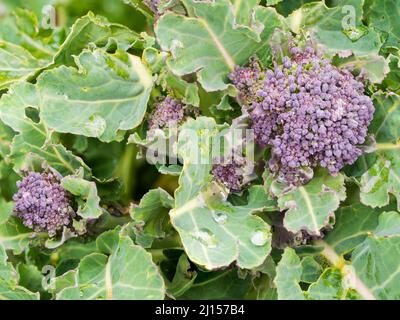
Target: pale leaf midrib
<point x="310" y="208"/>
<point x="225" y="55"/>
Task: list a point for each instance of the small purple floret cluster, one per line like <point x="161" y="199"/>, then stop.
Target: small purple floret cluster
<point x="310" y="112"/>
<point x="244" y="78"/>
<point x="167" y="112"/>
<point x="235" y="174"/>
<point x="42" y="203"/>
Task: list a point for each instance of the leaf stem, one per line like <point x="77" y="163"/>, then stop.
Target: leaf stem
<point x="348" y="273"/>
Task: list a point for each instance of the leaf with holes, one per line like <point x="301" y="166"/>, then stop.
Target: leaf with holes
<point x="34" y="137"/>
<point x="288" y="276"/>
<point x="383" y="177"/>
<point x="106" y="96"/>
<point x="339" y="30"/>
<point x="209" y="43"/>
<point x="128" y="273"/>
<point x="310" y="207"/>
<point x="384" y="17"/>
<point x="214" y="232"/>
<point x="382" y="247"/>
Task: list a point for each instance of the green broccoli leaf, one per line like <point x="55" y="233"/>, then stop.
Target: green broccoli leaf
<point x="383" y="177"/>
<point x="312" y="206"/>
<point x="128" y="273"/>
<point x="103" y="98"/>
<point x="215" y="233"/>
<point x="210" y="44"/>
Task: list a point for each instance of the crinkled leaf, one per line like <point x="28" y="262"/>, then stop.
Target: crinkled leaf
<point x="24" y="49"/>
<point x="187" y="92"/>
<point x="310" y="207"/>
<point x="392" y="80"/>
<point x="16" y="64"/>
<point x="329" y="286"/>
<point x="377" y="260"/>
<point x="372" y="67"/>
<point x="8" y="292"/>
<point x="9" y="288"/>
<point x="263" y="285"/>
<point x="288" y="276"/>
<point x="7" y="272"/>
<point x="328" y="25"/>
<point x="183" y="279"/>
<point x="385" y="17"/>
<point x="219" y="285"/>
<point x="41" y="42"/>
<point x="107" y="242"/>
<point x="243" y="10"/>
<point x="6" y="209"/>
<point x="339" y="29"/>
<point x="34" y="5"/>
<point x="128" y="273"/>
<point x="30" y="277"/>
<point x="33" y="137"/>
<point x="210" y="43"/>
<point x="66" y="280"/>
<point x="85" y="193"/>
<point x="103" y="98"/>
<point x="380" y="180"/>
<point x="92" y="29"/>
<point x="214" y="232"/>
<point x="352" y="225"/>
<point x="311" y="269"/>
<point x="151" y="215"/>
<point x="14" y="236"/>
<point x="384" y="176"/>
<point x="74" y="249"/>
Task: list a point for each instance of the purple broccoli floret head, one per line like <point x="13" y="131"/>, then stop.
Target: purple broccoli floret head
<point x="42" y="203"/>
<point x="311" y="113"/>
<point x="167" y="112"/>
<point x="247" y="81"/>
<point x="245" y="77"/>
<point x="234" y="174"/>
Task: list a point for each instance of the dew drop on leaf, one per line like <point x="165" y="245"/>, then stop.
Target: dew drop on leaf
<point x="355" y="33"/>
<point x="260" y="237"/>
<point x="219" y="217"/>
<point x="205" y="237"/>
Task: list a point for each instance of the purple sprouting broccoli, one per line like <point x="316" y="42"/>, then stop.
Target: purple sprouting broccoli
<point x="247" y="80"/>
<point x="42" y="203"/>
<point x="234" y="174"/>
<point x="167" y="112"/>
<point x="170" y="112"/>
<point x="311" y="113"/>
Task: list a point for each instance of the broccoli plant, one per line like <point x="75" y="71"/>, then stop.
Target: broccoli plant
<point x="187" y="149"/>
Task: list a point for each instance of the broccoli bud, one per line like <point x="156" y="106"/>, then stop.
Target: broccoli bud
<point x="311" y="113"/>
<point x="42" y="203"/>
<point x="235" y="174"/>
<point x="167" y="112"/>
